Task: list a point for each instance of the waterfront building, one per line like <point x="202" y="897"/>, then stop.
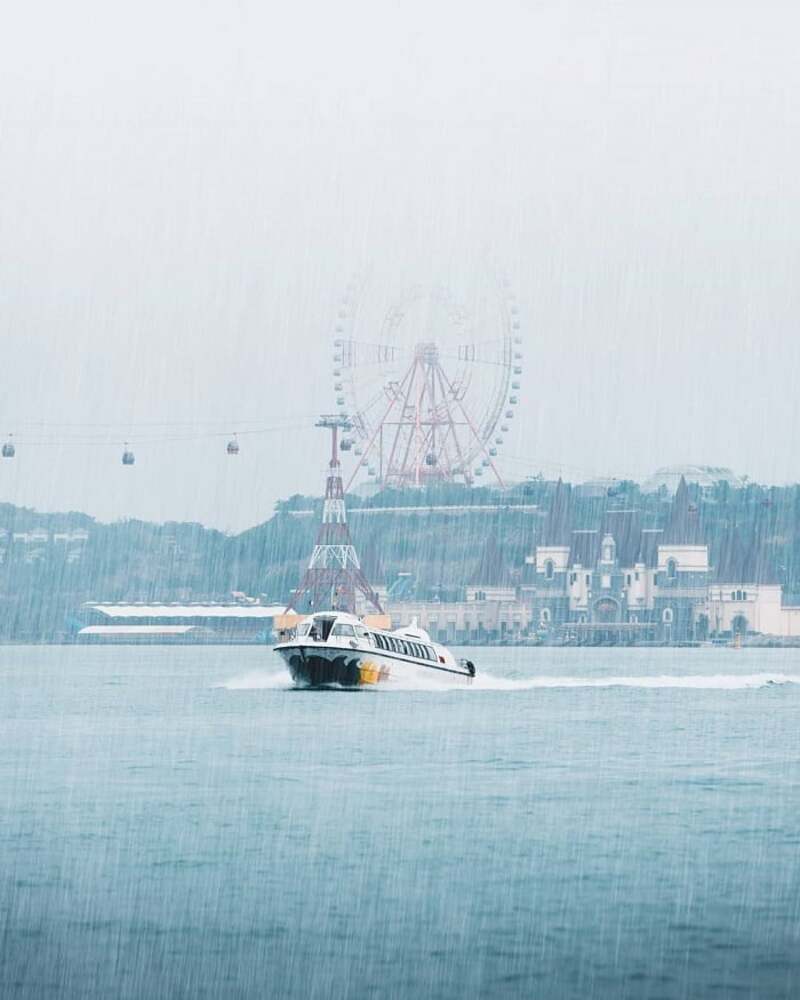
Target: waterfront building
<point x="620" y="581"/>
<point x="240" y="621"/>
<point x="465" y="622"/>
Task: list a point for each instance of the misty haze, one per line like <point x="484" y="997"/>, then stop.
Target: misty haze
<point x="399" y="500"/>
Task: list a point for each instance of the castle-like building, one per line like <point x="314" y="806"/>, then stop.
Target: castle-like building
<point x="625" y="582"/>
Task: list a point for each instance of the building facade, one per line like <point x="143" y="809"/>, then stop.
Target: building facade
<point x="624" y="583"/>
<point x="620" y="582"/>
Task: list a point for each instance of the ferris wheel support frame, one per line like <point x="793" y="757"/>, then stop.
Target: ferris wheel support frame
<point x="477" y="437"/>
<point x="425" y="375"/>
<point x="439" y="421"/>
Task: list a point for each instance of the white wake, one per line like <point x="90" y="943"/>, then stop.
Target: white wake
<point x="712" y="682"/>
<point x="262" y="680"/>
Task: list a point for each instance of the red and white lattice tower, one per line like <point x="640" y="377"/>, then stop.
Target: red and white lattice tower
<point x="334" y="574"/>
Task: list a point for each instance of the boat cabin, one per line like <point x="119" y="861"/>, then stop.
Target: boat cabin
<point x="411" y="641"/>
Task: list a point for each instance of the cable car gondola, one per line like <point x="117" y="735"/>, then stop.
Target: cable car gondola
<point x="430" y="458"/>
<point x="9" y="451"/>
<point x="128" y="458"/>
<point x="346" y="444"/>
<point x="233" y="446"/>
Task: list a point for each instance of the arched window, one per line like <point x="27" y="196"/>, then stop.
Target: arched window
<point x="667" y="616"/>
<point x="549" y="569"/>
<point x="609" y="549"/>
<point x="544" y="616"/>
<point x="739" y="625"/>
<point x="672" y="569"/>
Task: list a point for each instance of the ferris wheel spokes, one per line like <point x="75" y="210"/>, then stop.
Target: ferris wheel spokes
<point x="425" y="409"/>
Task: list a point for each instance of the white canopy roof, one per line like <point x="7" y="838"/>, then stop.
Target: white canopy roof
<point x="188" y="610"/>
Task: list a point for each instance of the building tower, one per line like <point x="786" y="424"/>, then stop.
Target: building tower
<point x="334" y="573"/>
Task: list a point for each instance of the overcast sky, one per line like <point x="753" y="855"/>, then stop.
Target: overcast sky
<point x="186" y="189"/>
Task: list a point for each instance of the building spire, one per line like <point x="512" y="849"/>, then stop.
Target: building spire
<point x="557" y="525"/>
<point x="683" y="527"/>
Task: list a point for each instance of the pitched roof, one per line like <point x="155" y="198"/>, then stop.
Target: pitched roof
<point x="683" y="526"/>
<point x="556" y="529"/>
<point x="649" y="540"/>
<point x="625" y="528"/>
<point x="492" y="568"/>
<point x="744" y="556"/>
<point x="584" y="548"/>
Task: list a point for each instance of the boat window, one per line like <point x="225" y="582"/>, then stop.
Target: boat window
<point x="322" y="626"/>
<point x="303" y="629"/>
<point x="381" y="641"/>
<point x="343" y="629"/>
<point x="429" y="653"/>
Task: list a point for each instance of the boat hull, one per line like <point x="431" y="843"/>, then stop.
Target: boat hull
<point x="325" y="666"/>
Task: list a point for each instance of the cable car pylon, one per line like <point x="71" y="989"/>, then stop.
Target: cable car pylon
<point x="334" y="573"/>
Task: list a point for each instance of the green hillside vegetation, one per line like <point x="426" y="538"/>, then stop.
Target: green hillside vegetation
<point x="45" y="578"/>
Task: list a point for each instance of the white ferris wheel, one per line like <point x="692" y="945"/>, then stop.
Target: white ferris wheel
<point x="431" y="397"/>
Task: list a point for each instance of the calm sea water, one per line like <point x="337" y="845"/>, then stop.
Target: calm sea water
<point x="582" y="823"/>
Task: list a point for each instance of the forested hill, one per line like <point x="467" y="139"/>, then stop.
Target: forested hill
<point x="51" y="563"/>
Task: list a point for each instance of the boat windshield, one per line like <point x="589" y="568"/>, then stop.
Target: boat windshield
<point x="343" y="629"/>
<point x="321" y="627"/>
<point x="304" y="628"/>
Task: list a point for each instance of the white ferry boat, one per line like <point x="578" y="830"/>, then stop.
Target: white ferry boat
<point x="336" y="649"/>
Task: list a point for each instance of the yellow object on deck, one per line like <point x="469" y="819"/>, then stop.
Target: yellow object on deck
<point x="369" y="673"/>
